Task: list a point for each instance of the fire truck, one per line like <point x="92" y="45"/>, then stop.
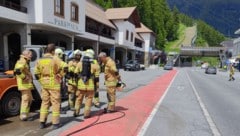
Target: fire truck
<point x="10" y="96"/>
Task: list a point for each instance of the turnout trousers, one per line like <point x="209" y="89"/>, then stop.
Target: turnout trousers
<point x="80" y="94"/>
<point x="25" y="103"/>
<point x="50" y="98"/>
<point x="71" y="95"/>
<point x="111" y="96"/>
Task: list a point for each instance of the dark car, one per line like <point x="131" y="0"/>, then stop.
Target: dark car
<point x="211" y="70"/>
<point x="168" y="66"/>
<point x="132" y="65"/>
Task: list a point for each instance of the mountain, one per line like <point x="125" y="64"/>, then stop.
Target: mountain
<point x="223" y="15"/>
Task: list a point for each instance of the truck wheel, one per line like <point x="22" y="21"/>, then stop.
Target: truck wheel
<point x="11" y="103"/>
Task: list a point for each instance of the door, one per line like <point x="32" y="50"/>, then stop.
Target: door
<point x="14" y="49"/>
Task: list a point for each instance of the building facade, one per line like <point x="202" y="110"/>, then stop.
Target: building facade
<point x="38" y="22"/>
<point x="71" y="24"/>
<point x="236" y="45"/>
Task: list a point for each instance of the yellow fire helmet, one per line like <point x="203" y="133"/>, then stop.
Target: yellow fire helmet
<point x="59" y="52"/>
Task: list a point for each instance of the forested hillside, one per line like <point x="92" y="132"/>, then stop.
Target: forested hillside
<point x="164" y="21"/>
<point x="223" y="15"/>
<point x="155" y="14"/>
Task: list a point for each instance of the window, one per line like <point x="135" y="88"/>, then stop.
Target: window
<point x="74" y="12"/>
<point x="131" y="36"/>
<point x="127" y="34"/>
<point x="59" y="7"/>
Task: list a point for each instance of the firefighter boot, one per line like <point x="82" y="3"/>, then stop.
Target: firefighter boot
<point x="56" y="126"/>
<point x="42" y="125"/>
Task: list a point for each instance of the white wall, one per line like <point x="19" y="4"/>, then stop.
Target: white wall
<point x="123" y="26"/>
<point x="236" y="47"/>
<point x="42" y="12"/>
<point x="149" y="41"/>
<point x="146" y="37"/>
<point x="13" y="15"/>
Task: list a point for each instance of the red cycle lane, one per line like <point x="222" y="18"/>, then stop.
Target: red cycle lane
<point x="132" y="112"/>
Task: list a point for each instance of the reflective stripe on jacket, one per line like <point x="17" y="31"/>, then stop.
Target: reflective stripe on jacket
<point x="24" y="80"/>
<point x="48" y="68"/>
<point x="110" y="73"/>
<point x="89" y="85"/>
<point x="71" y="68"/>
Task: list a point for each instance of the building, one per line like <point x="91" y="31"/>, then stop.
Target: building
<point x="99" y="31"/>
<point x="149" y="38"/>
<point x="236" y="45"/>
<point x="38" y="22"/>
<point x="126" y="20"/>
<point x="72" y="24"/>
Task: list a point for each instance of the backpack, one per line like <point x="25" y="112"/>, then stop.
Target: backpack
<point x="86" y="69"/>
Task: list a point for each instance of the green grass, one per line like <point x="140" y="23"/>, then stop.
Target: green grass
<point x="175" y="45"/>
<point x="213" y="61"/>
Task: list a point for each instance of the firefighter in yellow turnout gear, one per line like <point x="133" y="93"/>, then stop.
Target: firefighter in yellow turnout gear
<point x="231" y="73"/>
<point x="64" y="67"/>
<point x="88" y="73"/>
<point x="96" y="90"/>
<point x="48" y="71"/>
<point x="111" y="78"/>
<point x="72" y="80"/>
<point x="24" y="82"/>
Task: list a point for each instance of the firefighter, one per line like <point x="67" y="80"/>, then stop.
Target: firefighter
<point x="72" y="80"/>
<point x="231" y="73"/>
<point x="48" y="72"/>
<point x="24" y="82"/>
<point x="59" y="53"/>
<point x="88" y="73"/>
<point x="111" y="78"/>
<point x="63" y="71"/>
<point x="96" y="90"/>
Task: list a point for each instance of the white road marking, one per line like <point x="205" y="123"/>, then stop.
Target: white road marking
<point x="154" y="111"/>
<point x="212" y="125"/>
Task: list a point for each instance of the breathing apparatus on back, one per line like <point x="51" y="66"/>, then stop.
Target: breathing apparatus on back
<point x="86" y="66"/>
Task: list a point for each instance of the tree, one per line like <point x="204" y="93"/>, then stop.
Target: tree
<point x="209" y="34"/>
<point x="105" y="3"/>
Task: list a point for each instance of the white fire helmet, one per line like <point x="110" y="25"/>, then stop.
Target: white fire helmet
<point x="77" y="52"/>
<point x="59" y="52"/>
<point x="89" y="53"/>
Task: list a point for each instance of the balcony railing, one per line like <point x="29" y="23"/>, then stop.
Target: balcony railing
<point x="14" y="6"/>
<point x="94" y="31"/>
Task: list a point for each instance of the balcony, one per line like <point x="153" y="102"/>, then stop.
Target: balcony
<point x="14" y="6"/>
<point x="95" y="31"/>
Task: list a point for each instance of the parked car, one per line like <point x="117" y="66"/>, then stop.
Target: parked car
<point x="204" y="65"/>
<point x="211" y="70"/>
<point x="168" y="66"/>
<point x="132" y="65"/>
<point x="142" y="66"/>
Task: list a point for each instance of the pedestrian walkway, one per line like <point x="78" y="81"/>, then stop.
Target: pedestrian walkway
<point x="132" y="112"/>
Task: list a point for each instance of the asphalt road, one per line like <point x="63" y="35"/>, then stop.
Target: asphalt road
<point x="221" y="98"/>
<point x="196" y="104"/>
<point x="133" y="79"/>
